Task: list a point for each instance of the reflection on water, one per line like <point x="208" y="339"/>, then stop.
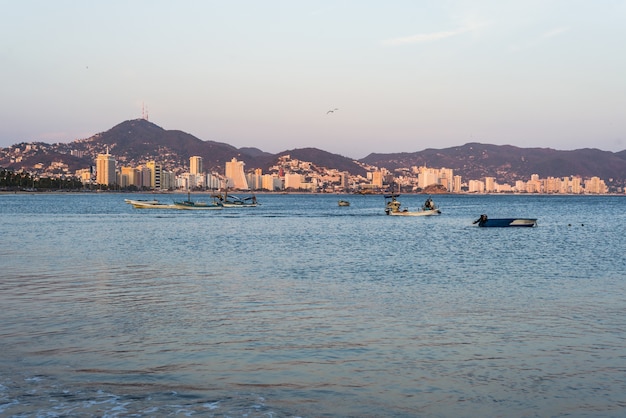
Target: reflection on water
<point x="302" y="308"/>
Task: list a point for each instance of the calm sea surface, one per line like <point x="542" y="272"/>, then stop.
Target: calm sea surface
<point x="301" y="308"/>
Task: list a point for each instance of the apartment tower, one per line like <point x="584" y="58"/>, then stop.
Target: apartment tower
<point x="105" y="169"/>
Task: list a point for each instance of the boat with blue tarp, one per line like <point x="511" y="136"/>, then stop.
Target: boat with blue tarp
<point x="485" y="221"/>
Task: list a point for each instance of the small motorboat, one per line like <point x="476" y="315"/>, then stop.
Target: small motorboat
<point x="151" y="205"/>
<point x="143" y="202"/>
<point x="344" y="203"/>
<point x="148" y="204"/>
<point x="394" y="207"/>
<point x="484" y="221"/>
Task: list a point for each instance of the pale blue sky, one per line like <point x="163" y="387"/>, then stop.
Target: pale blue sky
<point x="405" y="75"/>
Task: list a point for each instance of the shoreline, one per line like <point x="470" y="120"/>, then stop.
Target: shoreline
<point x="204" y="193"/>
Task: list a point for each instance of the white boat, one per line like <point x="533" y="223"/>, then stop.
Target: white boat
<point x="141" y="202"/>
<point x="149" y="204"/>
<point x="393" y="207"/>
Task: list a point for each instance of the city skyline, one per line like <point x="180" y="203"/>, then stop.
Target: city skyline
<point x="296" y="175"/>
<point x="34" y="158"/>
<point x="402" y="76"/>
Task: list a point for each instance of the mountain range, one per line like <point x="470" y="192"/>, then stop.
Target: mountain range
<point x="136" y="141"/>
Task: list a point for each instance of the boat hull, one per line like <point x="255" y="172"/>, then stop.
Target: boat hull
<point x="417" y="213"/>
<point x="196" y="206"/>
<point x="508" y="222"/>
<point x="239" y="205"/>
<point x="142" y="202"/>
<point x="143" y="205"/>
<point x="155" y="204"/>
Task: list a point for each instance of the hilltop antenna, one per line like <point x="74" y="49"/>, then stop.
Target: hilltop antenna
<point x="144" y="111"/>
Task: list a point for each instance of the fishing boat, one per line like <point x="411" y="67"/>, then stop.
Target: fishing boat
<point x="484" y="221"/>
<point x="344" y="203"/>
<point x="232" y="201"/>
<point x="194" y="205"/>
<point x="394" y="207"/>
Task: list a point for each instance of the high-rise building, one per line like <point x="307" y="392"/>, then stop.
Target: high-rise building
<point x="195" y="165"/>
<point x="595" y="185"/>
<point x="213" y="181"/>
<point x="576" y="185"/>
<point x="490" y="184"/>
<point x="254" y="179"/>
<point x="344" y="178"/>
<point x="271" y="182"/>
<point x="130" y="176"/>
<point x="146" y="177"/>
<point x="105" y="169"/>
<point x="458" y="181"/>
<point x="377" y="179"/>
<point x="155" y="174"/>
<point x="476" y="186"/>
<point x="235" y="176"/>
<point x="427" y="176"/>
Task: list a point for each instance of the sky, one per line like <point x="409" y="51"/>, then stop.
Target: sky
<point x="403" y="76"/>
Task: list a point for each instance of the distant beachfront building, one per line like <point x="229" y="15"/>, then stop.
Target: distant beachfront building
<point x="576" y="185"/>
<point x="145" y="176"/>
<point x="155" y="174"/>
<point x="84" y="174"/>
<point x="296" y="181"/>
<point x="446" y="178"/>
<point x="195" y="165"/>
<point x="255" y="179"/>
<point x="534" y="184"/>
<point x="213" y="181"/>
<point x="595" y="185"/>
<point x="271" y="182"/>
<point x="130" y="176"/>
<point x="344" y="181"/>
<point x="189" y="181"/>
<point x="235" y="177"/>
<point x="458" y="182"/>
<point x="105" y="169"/>
<point x="490" y="184"/>
<point x="476" y="186"/>
<point x="427" y="176"/>
<point x="377" y="179"/>
<point x="293" y="181"/>
<point x="168" y="180"/>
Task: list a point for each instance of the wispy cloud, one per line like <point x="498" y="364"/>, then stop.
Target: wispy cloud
<point x="538" y="40"/>
<point x="430" y="37"/>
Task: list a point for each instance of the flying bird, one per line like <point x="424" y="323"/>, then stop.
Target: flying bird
<point x="332" y="111"/>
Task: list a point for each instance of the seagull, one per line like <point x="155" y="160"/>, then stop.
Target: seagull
<point x="332" y="111"/>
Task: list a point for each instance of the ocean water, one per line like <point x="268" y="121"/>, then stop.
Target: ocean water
<point x="302" y="308"/>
